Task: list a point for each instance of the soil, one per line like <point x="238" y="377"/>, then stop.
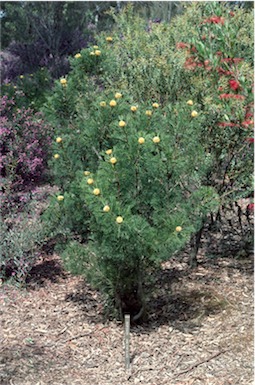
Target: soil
<point x="199" y="332"/>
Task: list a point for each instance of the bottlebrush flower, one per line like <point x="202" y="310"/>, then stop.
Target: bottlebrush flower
<point x="181" y="45"/>
<point x="122" y="123"/>
<point x="232" y="96"/>
<point x="214" y="20"/>
<point x="113" y="103"/>
<point x="59" y="140"/>
<point x="234" y="84"/>
<point x="228" y="124"/>
<point x="90" y="181"/>
<point x="106" y="209"/>
<point x="247" y="123"/>
<point x="119" y="219"/>
<point x="96" y="191"/>
<point x="156" y="139"/>
<point x="250" y="206"/>
<point x="250" y="140"/>
<point x="141" y="140"/>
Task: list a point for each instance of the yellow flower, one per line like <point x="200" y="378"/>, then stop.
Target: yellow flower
<point x="118" y="95"/>
<point x="148" y="112"/>
<point x="113" y="160"/>
<point x="119" y="219"/>
<point x="108" y="152"/>
<point x="178" y="229"/>
<point x="90" y="181"/>
<point x="59" y="140"/>
<point x="141" y="140"/>
<point x="156" y="139"/>
<point x="63" y="81"/>
<point x="56" y="156"/>
<point x="77" y="56"/>
<point x="92" y="53"/>
<point x="102" y="104"/>
<point x="133" y="108"/>
<point x="60" y="198"/>
<point x="106" y="209"/>
<point x="86" y="173"/>
<point x="21" y="76"/>
<point x="96" y="191"/>
<point x="190" y="103"/>
<point x="113" y="103"/>
<point x="155" y="105"/>
<point x="97" y="52"/>
<point x="194" y="114"/>
<point x="122" y="123"/>
<point x="95" y="46"/>
<point x="109" y="39"/>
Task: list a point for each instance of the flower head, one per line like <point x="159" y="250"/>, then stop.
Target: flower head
<point x="113" y="103"/>
<point x="63" y="81"/>
<point x="109" y="39"/>
<point x="194" y="114"/>
<point x="60" y="198"/>
<point x="148" y="112"/>
<point x="119" y="219"/>
<point x="86" y="173"/>
<point x="56" y="156"/>
<point x="155" y="105"/>
<point x="77" y="56"/>
<point x="59" y="139"/>
<point x="108" y="152"/>
<point x="178" y="229"/>
<point x="133" y="108"/>
<point x="118" y="95"/>
<point x="95" y="46"/>
<point x="190" y="102"/>
<point x="106" y="209"/>
<point x="90" y="181"/>
<point x="92" y="53"/>
<point x="97" y="52"/>
<point x="156" y="139"/>
<point x="102" y="104"/>
<point x="234" y="85"/>
<point x="122" y="123"/>
<point x="113" y="160"/>
<point x="141" y="140"/>
<point x="96" y="191"/>
<point x="21" y="76"/>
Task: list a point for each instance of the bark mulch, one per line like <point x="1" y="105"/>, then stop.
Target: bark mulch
<point x="200" y="329"/>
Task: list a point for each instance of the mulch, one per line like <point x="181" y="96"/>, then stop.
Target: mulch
<point x="200" y="329"/>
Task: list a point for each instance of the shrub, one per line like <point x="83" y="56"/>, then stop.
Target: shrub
<point x="24" y="145"/>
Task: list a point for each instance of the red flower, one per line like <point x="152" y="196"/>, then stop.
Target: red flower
<point x="250" y="140"/>
<point x="181" y="45"/>
<point x="234" y="84"/>
<point x="248" y="115"/>
<point x="250" y="206"/>
<point x="237" y="59"/>
<point x="221" y="71"/>
<point x="228" y="124"/>
<point x="247" y="123"/>
<point x="232" y="96"/>
<point x="190" y="64"/>
<point x="214" y="20"/>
